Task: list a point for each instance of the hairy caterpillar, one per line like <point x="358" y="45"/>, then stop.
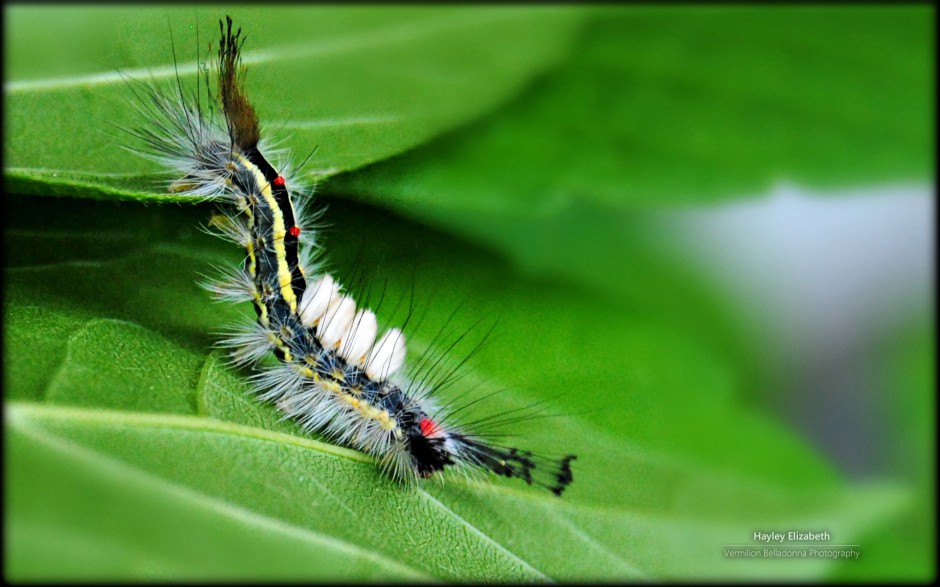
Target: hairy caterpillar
<point x="332" y="375"/>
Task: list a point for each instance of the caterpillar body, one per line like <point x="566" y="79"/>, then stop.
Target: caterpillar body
<point x="332" y="375"/>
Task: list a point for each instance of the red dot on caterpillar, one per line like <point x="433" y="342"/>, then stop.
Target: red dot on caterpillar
<point x="428" y="428"/>
<point x="279" y="180"/>
<point x="294" y="231"/>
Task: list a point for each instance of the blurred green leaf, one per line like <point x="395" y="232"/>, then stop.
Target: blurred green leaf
<point x="360" y="83"/>
<point x="662" y="106"/>
<point x="905" y="549"/>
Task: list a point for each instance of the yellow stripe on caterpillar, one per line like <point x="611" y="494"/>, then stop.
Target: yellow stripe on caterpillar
<point x="278" y="230"/>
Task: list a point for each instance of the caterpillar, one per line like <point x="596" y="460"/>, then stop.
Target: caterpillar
<point x="333" y="374"/>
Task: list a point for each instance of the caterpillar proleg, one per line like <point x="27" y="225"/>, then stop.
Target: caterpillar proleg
<point x="335" y="373"/>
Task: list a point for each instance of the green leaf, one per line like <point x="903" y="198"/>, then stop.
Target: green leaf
<point x="360" y="83"/>
<point x="135" y="453"/>
<point x="152" y="527"/>
<point x="663" y="106"/>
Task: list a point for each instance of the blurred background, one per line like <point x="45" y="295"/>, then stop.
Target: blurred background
<point x="830" y="280"/>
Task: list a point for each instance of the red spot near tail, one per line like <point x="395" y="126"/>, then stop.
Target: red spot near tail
<point x="294" y="231"/>
<point x="279" y="180"/>
<point x="428" y="428"/>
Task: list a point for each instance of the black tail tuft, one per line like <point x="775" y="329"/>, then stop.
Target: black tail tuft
<point x="554" y="475"/>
